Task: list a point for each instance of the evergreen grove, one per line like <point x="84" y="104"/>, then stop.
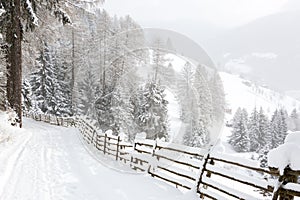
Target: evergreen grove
<point x="257" y="133"/>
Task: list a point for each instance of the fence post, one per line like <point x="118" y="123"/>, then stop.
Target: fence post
<point x="93" y="138"/>
<point x="118" y="143"/>
<point x="201" y="175"/>
<point x="287" y="177"/>
<point x="57" y="122"/>
<point x="104" y="145"/>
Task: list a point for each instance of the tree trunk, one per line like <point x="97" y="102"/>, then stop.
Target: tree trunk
<point x="14" y="65"/>
<point x="73" y="74"/>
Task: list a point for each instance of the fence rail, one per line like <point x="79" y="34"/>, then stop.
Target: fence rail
<point x="215" y="176"/>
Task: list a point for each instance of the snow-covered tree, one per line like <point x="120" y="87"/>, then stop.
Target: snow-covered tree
<point x="186" y="93"/>
<point x="150" y="111"/>
<point x="240" y="138"/>
<point x="159" y="59"/>
<point x="218" y="97"/>
<point x="50" y="84"/>
<point x="253" y="130"/>
<point x="293" y="121"/>
<point x="204" y="96"/>
<point x="278" y="128"/>
<point x="20" y="16"/>
<point x="42" y="82"/>
<point x="196" y="134"/>
<point x="26" y="96"/>
<point x="263" y="155"/>
<point x="87" y="96"/>
<point x="63" y="90"/>
<point x="258" y="128"/>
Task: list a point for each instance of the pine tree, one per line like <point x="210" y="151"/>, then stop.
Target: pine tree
<point x="240" y="138"/>
<point x="283" y="126"/>
<point x="264" y="129"/>
<point x="20" y="16"/>
<point x="218" y="97"/>
<point x="151" y="111"/>
<point x="42" y="82"/>
<point x="186" y="93"/>
<point x="263" y="155"/>
<point x="294" y="121"/>
<point x="253" y="131"/>
<point x="278" y="128"/>
<point x="159" y="59"/>
<point x="265" y="143"/>
<point x="104" y="110"/>
<point x="63" y="91"/>
<point x="196" y="135"/>
<point x="204" y="96"/>
<point x="26" y="94"/>
<point x="87" y="96"/>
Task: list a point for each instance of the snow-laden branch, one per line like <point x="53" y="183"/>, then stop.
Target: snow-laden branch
<point x="32" y="14"/>
<point x="2" y="11"/>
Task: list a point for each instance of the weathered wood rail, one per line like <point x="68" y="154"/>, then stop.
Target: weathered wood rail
<point x="212" y="175"/>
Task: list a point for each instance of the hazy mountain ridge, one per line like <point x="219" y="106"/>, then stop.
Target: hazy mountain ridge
<point x="267" y="50"/>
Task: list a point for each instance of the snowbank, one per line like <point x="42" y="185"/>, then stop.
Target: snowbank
<point x="286" y="154"/>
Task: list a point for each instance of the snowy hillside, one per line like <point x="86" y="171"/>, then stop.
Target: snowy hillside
<point x="243" y="93"/>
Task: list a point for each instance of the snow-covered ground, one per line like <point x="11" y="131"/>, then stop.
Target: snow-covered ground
<point x="44" y="162"/>
<point x="175" y="123"/>
<point x="245" y="94"/>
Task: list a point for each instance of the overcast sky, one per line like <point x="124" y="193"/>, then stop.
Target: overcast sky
<point x="222" y="13"/>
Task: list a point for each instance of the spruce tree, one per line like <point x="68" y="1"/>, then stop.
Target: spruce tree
<point x="253" y="131"/>
<point x="294" y="121"/>
<point x="104" y="109"/>
<point x="87" y="96"/>
<point x="218" y="97"/>
<point x="240" y="138"/>
<point x="186" y="93"/>
<point x="264" y="128"/>
<point x="42" y="81"/>
<point x="151" y="111"/>
<point x="20" y="16"/>
<point x="204" y="96"/>
<point x="278" y="128"/>
<point x="26" y="96"/>
<point x="196" y="135"/>
<point x="63" y="91"/>
<point x="283" y="126"/>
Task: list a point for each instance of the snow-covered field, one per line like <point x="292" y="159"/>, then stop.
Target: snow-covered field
<point x="245" y="94"/>
<point x="44" y="162"/>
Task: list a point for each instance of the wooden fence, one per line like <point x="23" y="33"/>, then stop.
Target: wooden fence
<point x="212" y="175"/>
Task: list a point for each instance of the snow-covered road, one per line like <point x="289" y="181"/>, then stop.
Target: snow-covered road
<point x="43" y="162"/>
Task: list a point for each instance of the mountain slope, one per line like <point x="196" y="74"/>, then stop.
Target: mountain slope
<point x="243" y="93"/>
<point x="267" y="47"/>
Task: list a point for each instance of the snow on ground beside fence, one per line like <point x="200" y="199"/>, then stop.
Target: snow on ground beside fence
<point x="286" y="154"/>
<point x="43" y="161"/>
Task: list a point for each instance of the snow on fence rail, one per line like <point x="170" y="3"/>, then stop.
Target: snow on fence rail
<point x="235" y="178"/>
<point x="215" y="176"/>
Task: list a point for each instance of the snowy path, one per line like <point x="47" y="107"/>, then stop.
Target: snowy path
<point x="48" y="162"/>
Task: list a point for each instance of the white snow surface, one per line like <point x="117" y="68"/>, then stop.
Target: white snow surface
<point x="42" y="161"/>
<point x="245" y="94"/>
<point x="286" y="154"/>
<point x="175" y="123"/>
